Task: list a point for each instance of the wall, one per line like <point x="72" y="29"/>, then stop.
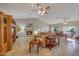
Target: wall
<point x="36" y="23"/>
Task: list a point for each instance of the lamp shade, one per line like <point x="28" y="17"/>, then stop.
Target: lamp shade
<point x="35" y="33"/>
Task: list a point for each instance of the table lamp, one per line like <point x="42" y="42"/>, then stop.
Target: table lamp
<point x="35" y="33"/>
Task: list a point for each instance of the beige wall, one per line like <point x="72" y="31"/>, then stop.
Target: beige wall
<point x="41" y="25"/>
<point x="36" y="23"/>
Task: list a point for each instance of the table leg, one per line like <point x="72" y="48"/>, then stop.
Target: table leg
<point x="30" y="48"/>
<point x="38" y="48"/>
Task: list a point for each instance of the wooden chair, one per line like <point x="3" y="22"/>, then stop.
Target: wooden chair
<point x="51" y="41"/>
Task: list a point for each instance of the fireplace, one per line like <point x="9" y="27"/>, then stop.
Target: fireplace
<point x="29" y="33"/>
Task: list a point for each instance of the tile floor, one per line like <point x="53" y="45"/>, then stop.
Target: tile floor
<point x="66" y="48"/>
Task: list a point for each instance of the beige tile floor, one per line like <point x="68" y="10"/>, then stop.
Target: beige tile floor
<point x="66" y="48"/>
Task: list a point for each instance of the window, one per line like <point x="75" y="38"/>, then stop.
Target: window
<point x="69" y="29"/>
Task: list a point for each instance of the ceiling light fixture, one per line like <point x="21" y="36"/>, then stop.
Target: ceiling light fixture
<point x="42" y="9"/>
<point x="65" y="21"/>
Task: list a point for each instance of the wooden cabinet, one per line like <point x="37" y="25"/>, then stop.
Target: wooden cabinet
<point x="13" y="30"/>
<point x="6" y="38"/>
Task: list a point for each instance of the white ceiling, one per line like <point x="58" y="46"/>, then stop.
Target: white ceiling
<point x="56" y="13"/>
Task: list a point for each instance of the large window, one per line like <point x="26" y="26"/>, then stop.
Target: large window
<point x="69" y="29"/>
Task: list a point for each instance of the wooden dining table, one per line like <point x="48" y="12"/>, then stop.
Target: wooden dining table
<point x="48" y="41"/>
